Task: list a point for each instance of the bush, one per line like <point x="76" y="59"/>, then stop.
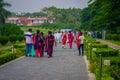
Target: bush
<point x="8" y="29"/>
<point x="115" y="72"/>
<point x="114" y="37"/>
<point x="4" y="40"/>
<point x="13" y="38"/>
<point x="99" y="46"/>
<point x="18" y="53"/>
<point x="92" y="66"/>
<point x="108" y="36"/>
<point x="115" y="63"/>
<point x="1" y="53"/>
<point x="18" y="46"/>
<point x="6" y="58"/>
<point x="21" y="37"/>
<point x="106" y="52"/>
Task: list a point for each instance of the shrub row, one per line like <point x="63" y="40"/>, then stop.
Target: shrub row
<point x="12" y="38"/>
<point x="106" y="52"/>
<point x="7" y="55"/>
<point x="115" y="63"/>
<point x="99" y="46"/>
<point x="107" y="73"/>
<point x="115" y="69"/>
<point x="115" y="37"/>
<point x="6" y="58"/>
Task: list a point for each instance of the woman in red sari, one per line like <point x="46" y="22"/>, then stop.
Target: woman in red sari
<point x="37" y="42"/>
<point x="64" y="39"/>
<point x="50" y="40"/>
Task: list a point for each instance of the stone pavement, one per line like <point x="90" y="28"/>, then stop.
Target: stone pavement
<point x="109" y="44"/>
<point x="64" y="65"/>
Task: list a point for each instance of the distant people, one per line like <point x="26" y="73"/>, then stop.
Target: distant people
<point x="81" y="46"/>
<point x="58" y="37"/>
<point x="37" y="42"/>
<point x="50" y="41"/>
<point x="70" y="39"/>
<point x="92" y="34"/>
<point x="28" y="37"/>
<point x="64" y="39"/>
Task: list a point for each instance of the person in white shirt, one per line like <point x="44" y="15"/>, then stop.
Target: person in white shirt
<point x="28" y="37"/>
<point x="59" y="36"/>
<point x="81" y="46"/>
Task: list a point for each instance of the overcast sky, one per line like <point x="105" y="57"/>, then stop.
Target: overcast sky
<point x="37" y="5"/>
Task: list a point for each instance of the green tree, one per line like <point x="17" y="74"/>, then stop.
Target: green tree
<point x="102" y="15"/>
<point x="3" y="12"/>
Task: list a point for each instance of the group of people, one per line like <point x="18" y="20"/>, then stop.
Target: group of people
<point x="40" y="43"/>
<point x="43" y="43"/>
<point x="78" y="38"/>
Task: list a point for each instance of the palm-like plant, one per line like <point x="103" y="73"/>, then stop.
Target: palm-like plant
<point x="3" y="12"/>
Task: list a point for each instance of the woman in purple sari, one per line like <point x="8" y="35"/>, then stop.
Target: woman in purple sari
<point x="50" y="40"/>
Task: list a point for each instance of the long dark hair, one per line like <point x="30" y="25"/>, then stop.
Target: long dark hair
<point x="38" y="32"/>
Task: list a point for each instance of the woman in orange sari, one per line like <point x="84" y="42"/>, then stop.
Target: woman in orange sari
<point x="64" y="39"/>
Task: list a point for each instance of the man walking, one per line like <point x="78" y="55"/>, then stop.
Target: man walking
<point x="81" y="44"/>
<point x="28" y="37"/>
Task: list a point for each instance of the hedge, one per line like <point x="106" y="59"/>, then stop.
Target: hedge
<point x="6" y="58"/>
<point x="115" y="37"/>
<point x="106" y="52"/>
<point x="18" y="46"/>
<point x="4" y="40"/>
<point x="99" y="46"/>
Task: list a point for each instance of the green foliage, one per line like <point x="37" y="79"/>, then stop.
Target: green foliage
<point x="6" y="57"/>
<point x="8" y="29"/>
<point x="115" y="37"/>
<point x="3" y="12"/>
<point x="18" y="53"/>
<point x="21" y="37"/>
<point x="13" y="38"/>
<point x="19" y="46"/>
<point x="4" y="40"/>
<point x="106" y="52"/>
<point x="99" y="46"/>
<point x="102" y="15"/>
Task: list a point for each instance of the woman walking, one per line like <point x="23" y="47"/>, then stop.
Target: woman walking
<point x="37" y="42"/>
<point x="64" y="39"/>
<point x="50" y="41"/>
<point x="70" y="39"/>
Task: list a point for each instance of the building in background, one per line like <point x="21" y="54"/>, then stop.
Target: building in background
<point x="27" y="21"/>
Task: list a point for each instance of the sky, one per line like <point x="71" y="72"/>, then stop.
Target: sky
<point x="37" y="5"/>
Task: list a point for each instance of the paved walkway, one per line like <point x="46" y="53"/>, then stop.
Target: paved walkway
<point x="109" y="44"/>
<point x="65" y="65"/>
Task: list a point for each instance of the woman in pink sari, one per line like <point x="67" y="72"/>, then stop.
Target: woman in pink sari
<point x="77" y="38"/>
<point x="70" y="39"/>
